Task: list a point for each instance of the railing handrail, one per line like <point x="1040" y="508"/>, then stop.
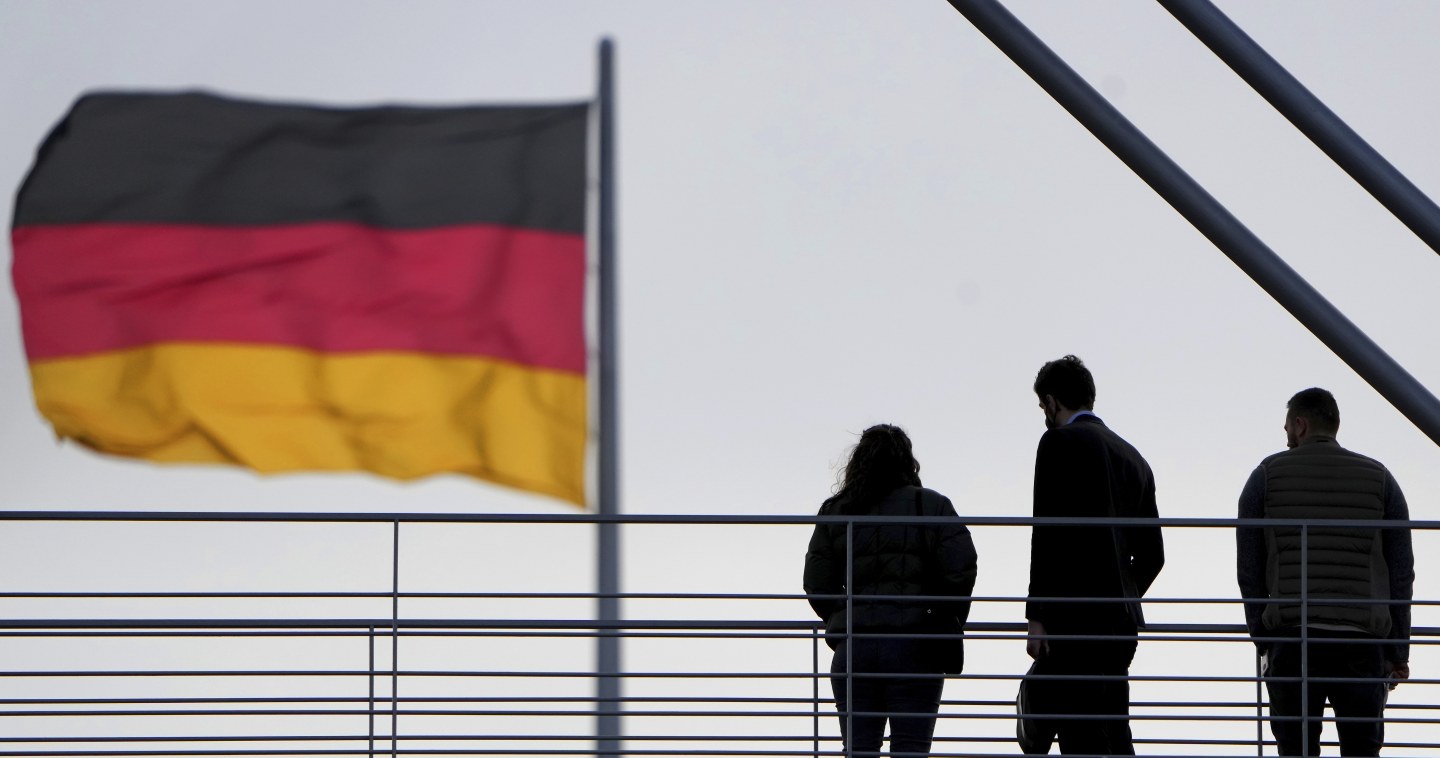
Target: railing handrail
<point x="699" y="519"/>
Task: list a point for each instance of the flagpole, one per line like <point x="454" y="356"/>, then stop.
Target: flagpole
<point x="607" y="575"/>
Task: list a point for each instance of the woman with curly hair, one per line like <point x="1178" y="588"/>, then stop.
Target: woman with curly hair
<point x="907" y="581"/>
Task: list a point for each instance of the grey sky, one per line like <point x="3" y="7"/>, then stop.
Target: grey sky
<point x="839" y="213"/>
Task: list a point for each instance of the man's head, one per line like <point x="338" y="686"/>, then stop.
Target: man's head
<point x="1064" y="386"/>
<point x="1310" y="412"/>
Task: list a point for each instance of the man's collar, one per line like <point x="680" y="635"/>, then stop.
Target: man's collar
<point x="1078" y="414"/>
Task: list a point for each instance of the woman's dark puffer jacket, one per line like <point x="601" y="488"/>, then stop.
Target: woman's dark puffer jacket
<point x="893" y="559"/>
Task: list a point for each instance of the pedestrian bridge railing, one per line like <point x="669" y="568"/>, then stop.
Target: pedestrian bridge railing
<point x="247" y="634"/>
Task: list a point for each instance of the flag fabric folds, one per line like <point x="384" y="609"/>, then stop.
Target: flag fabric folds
<point x="398" y="290"/>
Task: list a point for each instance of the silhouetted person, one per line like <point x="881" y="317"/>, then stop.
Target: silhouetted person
<point x="1082" y="469"/>
<point x="1318" y="479"/>
<point x="882" y="478"/>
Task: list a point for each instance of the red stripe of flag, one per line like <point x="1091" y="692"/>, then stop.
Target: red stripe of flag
<point x="507" y="293"/>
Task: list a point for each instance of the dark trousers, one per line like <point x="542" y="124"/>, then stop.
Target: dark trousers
<point x="908" y="703"/>
<point x="1331" y="654"/>
<point x="1100" y="689"/>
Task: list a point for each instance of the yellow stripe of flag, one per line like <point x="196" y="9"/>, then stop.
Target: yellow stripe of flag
<point x="278" y="409"/>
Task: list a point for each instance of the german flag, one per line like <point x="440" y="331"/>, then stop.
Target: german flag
<point x="397" y="290"/>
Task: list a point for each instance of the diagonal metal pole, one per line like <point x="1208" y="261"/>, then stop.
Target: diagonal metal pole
<point x="607" y="573"/>
<point x="1202" y="210"/>
<point x="1329" y="133"/>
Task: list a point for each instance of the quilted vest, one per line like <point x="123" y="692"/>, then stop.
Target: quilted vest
<point x="1320" y="479"/>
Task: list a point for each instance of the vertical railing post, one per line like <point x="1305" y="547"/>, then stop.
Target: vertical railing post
<point x="1259" y="706"/>
<point x="849" y="637"/>
<point x="1305" y="641"/>
<point x="371" y="676"/>
<point x="395" y="640"/>
<point x="815" y="689"/>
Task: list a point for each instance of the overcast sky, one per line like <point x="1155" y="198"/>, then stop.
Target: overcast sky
<point x="834" y="214"/>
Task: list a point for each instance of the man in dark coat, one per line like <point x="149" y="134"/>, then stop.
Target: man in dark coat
<point x="1354" y="637"/>
<point x="1082" y="469"/>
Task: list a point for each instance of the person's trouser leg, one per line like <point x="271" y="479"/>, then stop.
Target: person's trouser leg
<point x="1362" y="701"/>
<point x="869" y="731"/>
<point x="916" y="697"/>
<point x="1114" y="699"/>
<point x="1100" y="689"/>
<point x="1107" y="696"/>
<point x="912" y="697"/>
<point x="911" y="735"/>
<point x="1283" y="661"/>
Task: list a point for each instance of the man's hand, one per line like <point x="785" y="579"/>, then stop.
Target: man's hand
<point x="1399" y="672"/>
<point x="1038" y="647"/>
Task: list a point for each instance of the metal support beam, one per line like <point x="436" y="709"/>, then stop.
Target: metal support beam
<point x="1310" y="116"/>
<point x="1202" y="210"/>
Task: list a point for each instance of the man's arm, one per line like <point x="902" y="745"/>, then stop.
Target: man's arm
<point x="1048" y="498"/>
<point x="1400" y="559"/>
<point x="1250" y="554"/>
<point x="1147" y="546"/>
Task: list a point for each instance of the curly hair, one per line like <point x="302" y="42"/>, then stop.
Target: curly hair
<point x="880" y="462"/>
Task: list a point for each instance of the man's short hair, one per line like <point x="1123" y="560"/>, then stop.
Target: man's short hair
<point x="1068" y="381"/>
<point x="1316" y="406"/>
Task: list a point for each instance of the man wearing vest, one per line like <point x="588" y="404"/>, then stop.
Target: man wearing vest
<point x="1318" y="479"/>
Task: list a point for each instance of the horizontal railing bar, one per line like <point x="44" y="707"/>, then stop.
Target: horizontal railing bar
<point x="717" y="714"/>
<point x="586" y="738"/>
<point x="418" y="595"/>
<point x="200" y="634"/>
<point x="629" y="737"/>
<point x="495" y="738"/>
<point x="51" y="674"/>
<point x="517" y="752"/>
<point x="520" y="751"/>
<point x="676" y="635"/>
<point x="1002" y="704"/>
<point x="435" y="699"/>
<point x="656" y="635"/>
<point x="1151" y="631"/>
<point x="354" y="627"/>
<point x="659" y="713"/>
<point x="576" y="738"/>
<point x="408" y="751"/>
<point x="796" y="630"/>
<point x="81" y="633"/>
<point x="634" y="738"/>
<point x="1006" y="706"/>
<point x="1103" y="599"/>
<point x="682" y="519"/>
<point x="996" y="599"/>
<point x="279" y="674"/>
<point x="584" y="699"/>
<point x="443" y="737"/>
